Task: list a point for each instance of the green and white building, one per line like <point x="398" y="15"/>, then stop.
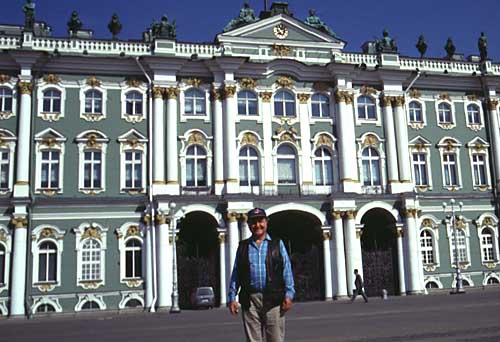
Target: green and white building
<point x="351" y="155"/>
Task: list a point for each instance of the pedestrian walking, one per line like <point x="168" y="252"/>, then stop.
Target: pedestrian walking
<point x="358" y="283"/>
<point x="263" y="275"/>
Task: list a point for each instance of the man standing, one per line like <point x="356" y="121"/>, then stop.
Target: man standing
<point x="263" y="274"/>
<point x="358" y="282"/>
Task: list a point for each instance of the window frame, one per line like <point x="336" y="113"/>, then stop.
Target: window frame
<point x="415" y="124"/>
<point x="203" y="96"/>
<point x="363" y="120"/>
<point x="133" y="117"/>
<point x="451" y="243"/>
<point x="4" y="112"/>
<point x="446" y="125"/>
<point x="49" y="140"/>
<point x="195" y="136"/>
<point x="125" y="233"/>
<point x="91" y="141"/>
<point x="246" y="100"/>
<point x="328" y="114"/>
<point x="489" y="222"/>
<point x="248" y="159"/>
<point x="50" y="116"/>
<point x="196" y="158"/>
<point x="40" y="235"/>
<point x="83" y="233"/>
<point x="324" y="163"/>
<point x="132" y="141"/>
<point x="294" y="157"/>
<point x="284" y="101"/>
<point x="83" y="298"/>
<point x="450" y="146"/>
<point x="9" y="146"/>
<point x="6" y="243"/>
<point x="93" y="117"/>
<point x="474" y="126"/>
<point x="480" y="147"/>
<point x="431" y="225"/>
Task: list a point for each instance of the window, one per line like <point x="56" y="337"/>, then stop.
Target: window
<point x="420" y="169"/>
<point x="462" y="246"/>
<point x="426" y="247"/>
<point x="366" y="108"/>
<point x="91" y="260"/>
<point x="4" y="169"/>
<point x="52" y="101"/>
<point x="320" y="106"/>
<point x="5" y="99"/>
<point x="284" y="103"/>
<point x="450" y="169"/>
<point x="370" y="161"/>
<point x="479" y="169"/>
<point x="2" y="264"/>
<point x="431" y="285"/>
<point x="323" y="166"/>
<point x="196" y="166"/>
<point x="473" y="115"/>
<point x="444" y="113"/>
<point x="93" y="102"/>
<point x="90" y="305"/>
<point x="50" y="166"/>
<point x="133" y="169"/>
<point x="286" y="165"/>
<point x="487" y="246"/>
<point x="45" y="308"/>
<point x="47" y="262"/>
<point x="194" y="102"/>
<point x="133" y="303"/>
<point x="92" y="169"/>
<point x="492" y="281"/>
<point x="133" y="259"/>
<point x="249" y="166"/>
<point x="247" y="103"/>
<point x="415" y="112"/>
<point x="133" y="103"/>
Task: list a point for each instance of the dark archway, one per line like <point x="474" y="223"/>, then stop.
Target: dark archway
<point x="302" y="236"/>
<point x="197" y="255"/>
<point x="379" y="252"/>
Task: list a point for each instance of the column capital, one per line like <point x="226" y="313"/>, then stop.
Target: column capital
<point x="146" y="219"/>
<point x="350" y="214"/>
<point x="327" y="235"/>
<point x="243" y="217"/>
<point x="232" y="216"/>
<point x="386" y="101"/>
<point x="216" y="94"/>
<point x="336" y="214"/>
<point x="400" y="232"/>
<point x="492" y="104"/>
<point x="19" y="221"/>
<point x="229" y="91"/>
<point x="161" y="219"/>
<point x="344" y="96"/>
<point x="359" y="233"/>
<point x="172" y="93"/>
<point x="398" y="101"/>
<point x="158" y="92"/>
<point x="221" y="237"/>
<point x="411" y="213"/>
<point x="25" y="87"/>
<point x="266" y="96"/>
<point x="303" y="97"/>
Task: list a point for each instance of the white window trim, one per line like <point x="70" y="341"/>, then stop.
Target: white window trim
<point x="378" y="145"/>
<point x="92" y="117"/>
<point x="208" y="108"/>
<point x="298" y="163"/>
<point x="133" y="141"/>
<point x="50" y="116"/>
<point x="416" y="125"/>
<point x="451" y="243"/>
<point x="84" y="232"/>
<point x="6" y="242"/>
<point x="53" y="301"/>
<point x="479" y="146"/>
<point x="453" y="116"/>
<point x="41" y="234"/>
<point x="91" y="140"/>
<point x="421" y="145"/>
<point x="128" y="296"/>
<point x="195" y="136"/>
<point x="53" y="140"/>
<point x="86" y="297"/>
<point x="251" y="189"/>
<point x="127" y="231"/>
<point x="491" y="222"/>
<point x="292" y="118"/>
<point x="12" y="86"/>
<point x="474" y="127"/>
<point x="359" y="121"/>
<point x="331" y="145"/>
<point x="434" y="279"/>
<point x="331" y="104"/>
<point x="490" y="275"/>
<point x="257" y="117"/>
<point x="453" y="147"/>
<point x="133" y="118"/>
<point x="465" y="277"/>
<point x="431" y="224"/>
<point x="257" y="144"/>
<point x="8" y="140"/>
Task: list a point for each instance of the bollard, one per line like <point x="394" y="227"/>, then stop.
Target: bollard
<point x="384" y="294"/>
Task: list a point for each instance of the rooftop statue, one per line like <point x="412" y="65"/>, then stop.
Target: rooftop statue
<point x="163" y="29"/>
<point x="482" y="44"/>
<point x="386" y="43"/>
<point x="114" y="25"/>
<point x="247" y="16"/>
<point x="29" y="15"/>
<point x="421" y="46"/>
<point x="74" y="24"/>
<point x="314" y="21"/>
<point x="450" y="48"/>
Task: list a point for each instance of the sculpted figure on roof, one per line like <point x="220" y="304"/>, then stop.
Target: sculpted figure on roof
<point x="314" y="21"/>
<point x="247" y="16"/>
<point x="386" y="43"/>
<point x="29" y="15"/>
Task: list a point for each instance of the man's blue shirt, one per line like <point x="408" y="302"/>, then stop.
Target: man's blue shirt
<point x="257" y="258"/>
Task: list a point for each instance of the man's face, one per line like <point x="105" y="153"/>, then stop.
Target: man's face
<point x="258" y="227"/>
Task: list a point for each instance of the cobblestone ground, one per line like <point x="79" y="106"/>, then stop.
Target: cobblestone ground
<point x="474" y="316"/>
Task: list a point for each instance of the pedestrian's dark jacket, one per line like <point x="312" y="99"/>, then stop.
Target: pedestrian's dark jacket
<point x="274" y="293"/>
<point x="358" y="282"/>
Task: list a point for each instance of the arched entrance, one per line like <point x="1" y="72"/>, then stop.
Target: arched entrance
<point x="301" y="234"/>
<point x="197" y="256"/>
<point x="379" y="253"/>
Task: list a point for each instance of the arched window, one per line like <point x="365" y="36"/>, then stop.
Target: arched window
<point x="133" y="303"/>
<point x="4" y="168"/>
<point x="47" y="262"/>
<point x="492" y="281"/>
<point x="91" y="260"/>
<point x="5" y="99"/>
<point x="427" y="247"/>
<point x="133" y="103"/>
<point x="473" y="115"/>
<point x="194" y="102"/>
<point x="415" y="111"/>
<point x="371" y="167"/>
<point x="93" y="102"/>
<point x="366" y="108"/>
<point x="90" y="305"/>
<point x="2" y="263"/>
<point x="249" y="166"/>
<point x="51" y="101"/>
<point x="462" y="247"/>
<point x="133" y="259"/>
<point x="284" y="103"/>
<point x="196" y="166"/>
<point x="465" y="282"/>
<point x="320" y="106"/>
<point x="287" y="169"/>
<point x="247" y="103"/>
<point x="50" y="167"/>
<point x="444" y="113"/>
<point x="133" y="169"/>
<point x="323" y="166"/>
<point x="487" y="246"/>
<point x="431" y="285"/>
<point x="45" y="308"/>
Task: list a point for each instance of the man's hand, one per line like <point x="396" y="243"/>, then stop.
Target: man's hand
<point x="286" y="305"/>
<point x="233" y="307"/>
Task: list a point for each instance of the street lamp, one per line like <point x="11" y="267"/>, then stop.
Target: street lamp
<point x="175" y="292"/>
<point x="453" y="221"/>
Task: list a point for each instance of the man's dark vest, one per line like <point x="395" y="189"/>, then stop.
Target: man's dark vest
<point x="274" y="293"/>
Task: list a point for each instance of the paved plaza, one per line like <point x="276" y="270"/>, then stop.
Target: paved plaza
<point x="474" y="316"/>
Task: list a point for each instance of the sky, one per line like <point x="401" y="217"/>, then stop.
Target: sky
<point x="354" y="21"/>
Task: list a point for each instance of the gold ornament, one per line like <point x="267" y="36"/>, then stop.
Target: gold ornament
<point x="229" y="91"/>
<point x="133" y="82"/>
<point x="281" y="50"/>
<point x="266" y="96"/>
<point x="194" y="82"/>
<point x="398" y="101"/>
<point x="324" y="140"/>
<point x="196" y="138"/>
<point x="248" y="83"/>
<point x="52" y="79"/>
<point x="415" y="94"/>
<point x="366" y="90"/>
<point x="303" y="98"/>
<point x="172" y="93"/>
<point x="4" y="78"/>
<point x="249" y="139"/>
<point x="285" y="82"/>
<point x="25" y="87"/>
<point x="157" y="92"/>
<point x="93" y="82"/>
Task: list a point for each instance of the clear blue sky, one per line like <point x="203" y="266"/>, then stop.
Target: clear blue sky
<point x="355" y="21"/>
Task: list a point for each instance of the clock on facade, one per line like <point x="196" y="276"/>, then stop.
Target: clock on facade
<point x="280" y="31"/>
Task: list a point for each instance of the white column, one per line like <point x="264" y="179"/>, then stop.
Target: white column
<point x="18" y="285"/>
<point x="390" y="138"/>
<point x="339" y="270"/>
<point x="353" y="249"/>
<point x="230" y="109"/>
<point x="172" y="149"/>
<point x="305" y="141"/>
<point x="164" y="269"/>
<point x="218" y="139"/>
<point x="414" y="285"/>
<point x="158" y="137"/>
<point x="245" y="230"/>
<point x="267" y="131"/>
<point x="222" y="257"/>
<point x="21" y="188"/>
<point x="495" y="137"/>
<point x="401" y="262"/>
<point x="234" y="238"/>
<point x="327" y="257"/>
<point x="402" y="142"/>
<point x="148" y="293"/>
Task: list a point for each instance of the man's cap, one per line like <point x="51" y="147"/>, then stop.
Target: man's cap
<point x="256" y="212"/>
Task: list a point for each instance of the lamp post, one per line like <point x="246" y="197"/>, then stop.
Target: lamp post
<point x="453" y="221"/>
<point x="175" y="292"/>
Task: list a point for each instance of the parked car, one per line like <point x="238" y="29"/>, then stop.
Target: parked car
<point x="203" y="297"/>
